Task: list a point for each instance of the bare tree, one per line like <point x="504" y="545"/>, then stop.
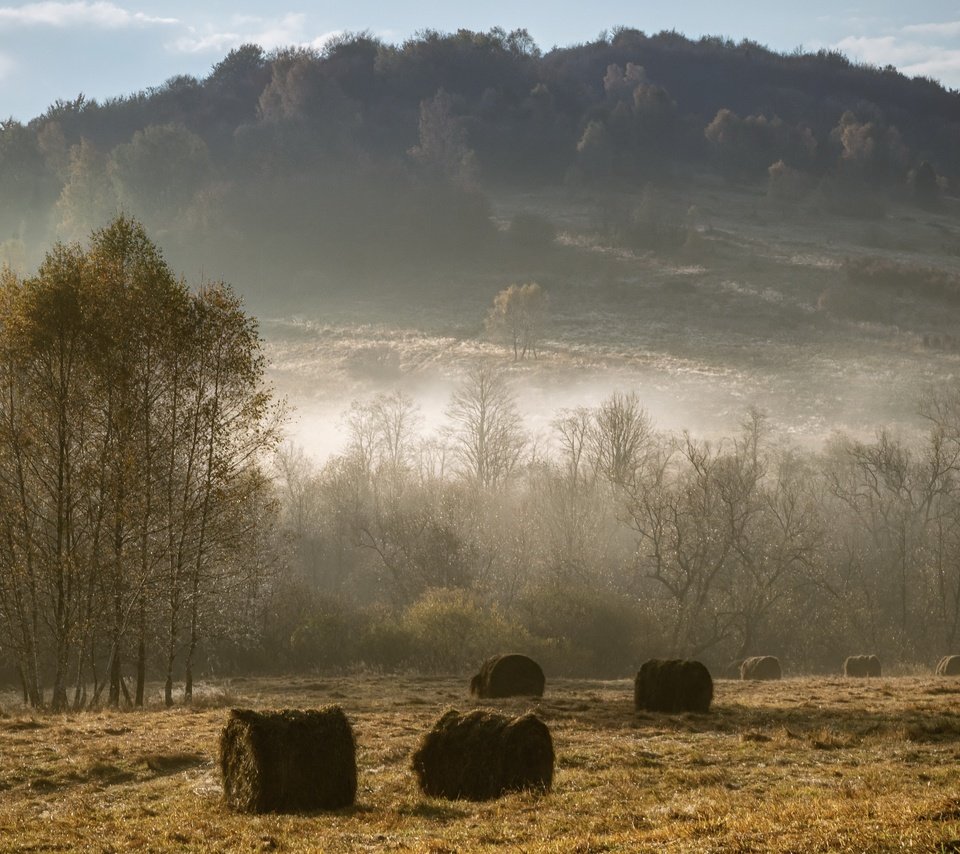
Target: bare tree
<point x="574" y="432"/>
<point x="485" y="431"/>
<point x="620" y="439"/>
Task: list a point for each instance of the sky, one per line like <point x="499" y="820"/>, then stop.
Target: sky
<point x="56" y="50"/>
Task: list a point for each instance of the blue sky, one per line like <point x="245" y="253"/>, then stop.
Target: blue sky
<point x="54" y="49"/>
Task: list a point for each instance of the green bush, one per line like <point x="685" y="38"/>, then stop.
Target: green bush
<point x="324" y="638"/>
<point x="385" y="642"/>
<point x="585" y="631"/>
<point x="452" y="631"/>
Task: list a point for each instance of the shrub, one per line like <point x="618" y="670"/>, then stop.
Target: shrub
<point x="384" y="641"/>
<point x="451" y="630"/>
<point x="323" y="639"/>
<point x="786" y="185"/>
<point x="584" y="631"/>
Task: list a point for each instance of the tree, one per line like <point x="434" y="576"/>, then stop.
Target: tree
<point x="517" y="317"/>
<point x="443" y="142"/>
<point x="87" y="196"/>
<point x="925" y="184"/>
<point x="160" y="170"/>
<point x="485" y="431"/>
<point x="620" y="439"/>
<point x="132" y="422"/>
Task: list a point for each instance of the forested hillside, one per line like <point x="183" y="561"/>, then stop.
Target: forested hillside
<point x="366" y="153"/>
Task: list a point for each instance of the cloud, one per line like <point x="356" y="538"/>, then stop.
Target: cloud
<point x="944" y="66"/>
<point x="269" y="33"/>
<point x="909" y="51"/>
<point x="882" y="50"/>
<point x="321" y="41"/>
<point x="947" y="29"/>
<point x="99" y="14"/>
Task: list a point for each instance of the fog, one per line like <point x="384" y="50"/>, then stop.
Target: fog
<point x="809" y="391"/>
<point x="706" y="294"/>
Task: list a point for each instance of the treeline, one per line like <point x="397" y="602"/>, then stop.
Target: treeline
<point x="365" y="152"/>
<point x="608" y="542"/>
<point x="135" y="516"/>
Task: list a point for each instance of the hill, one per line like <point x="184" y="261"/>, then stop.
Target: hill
<point x="368" y="154"/>
<point x="699" y="212"/>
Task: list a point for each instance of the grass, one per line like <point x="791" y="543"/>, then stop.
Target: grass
<point x="812" y="764"/>
<point x="763" y="312"/>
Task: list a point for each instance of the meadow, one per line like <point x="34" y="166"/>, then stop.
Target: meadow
<point x="804" y="764"/>
<point x="757" y="308"/>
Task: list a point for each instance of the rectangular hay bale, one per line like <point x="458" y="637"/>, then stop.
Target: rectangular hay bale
<point x="483" y="755"/>
<point x="288" y="761"/>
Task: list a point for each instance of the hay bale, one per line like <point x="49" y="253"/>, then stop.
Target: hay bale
<point x="511" y="675"/>
<point x="482" y="755"/>
<point x="861" y="666"/>
<point x="673" y="685"/>
<point x="761" y="667"/>
<point x="949" y="665"/>
<point x="288" y="761"/>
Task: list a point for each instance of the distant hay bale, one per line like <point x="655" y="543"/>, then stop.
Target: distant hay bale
<point x="482" y="755"/>
<point x="949" y="665"/>
<point x="673" y="685"/>
<point x="510" y="675"/>
<point x="861" y="666"/>
<point x="288" y="761"/>
<point x="761" y="667"/>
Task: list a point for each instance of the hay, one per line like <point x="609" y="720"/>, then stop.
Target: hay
<point x="861" y="666"/>
<point x="673" y="685"/>
<point x="482" y="755"/>
<point x="949" y="665"/>
<point x="760" y="667"/>
<point x="288" y="761"/>
<point x="511" y="675"/>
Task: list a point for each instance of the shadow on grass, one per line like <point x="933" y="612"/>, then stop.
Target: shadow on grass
<point x="853" y="717"/>
<point x="436" y="811"/>
<point x="172" y="763"/>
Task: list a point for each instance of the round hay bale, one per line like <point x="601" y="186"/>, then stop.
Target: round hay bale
<point x="482" y="755"/>
<point x="861" y="666"/>
<point x="761" y="667"/>
<point x="288" y="761"/>
<point x="673" y="685"/>
<point x="510" y="675"/>
<point x="949" y="665"/>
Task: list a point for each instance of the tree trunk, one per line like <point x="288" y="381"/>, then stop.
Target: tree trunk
<point x="114" y="696"/>
<point x="188" y="677"/>
<point x="23" y="683"/>
<point x="171" y="657"/>
<point x="141" y="654"/>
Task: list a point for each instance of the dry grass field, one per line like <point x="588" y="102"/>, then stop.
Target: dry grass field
<point x="811" y="764"/>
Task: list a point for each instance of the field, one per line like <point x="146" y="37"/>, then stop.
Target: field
<point x="758" y="311"/>
<point x="807" y="764"/>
